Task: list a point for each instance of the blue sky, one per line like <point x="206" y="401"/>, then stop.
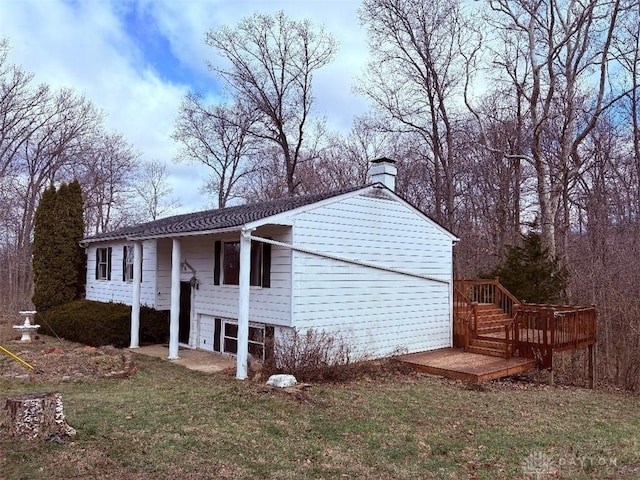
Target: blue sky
<point x="136" y="59"/>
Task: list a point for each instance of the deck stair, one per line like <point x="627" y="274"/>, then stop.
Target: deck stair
<point x="492" y="321"/>
<point x="484" y="318"/>
<point x="492" y="347"/>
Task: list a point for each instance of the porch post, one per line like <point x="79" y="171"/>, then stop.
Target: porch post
<point x="243" y="305"/>
<point x="135" y="302"/>
<point x="175" y="300"/>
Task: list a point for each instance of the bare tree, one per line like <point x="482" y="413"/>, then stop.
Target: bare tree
<point x="106" y="173"/>
<point x="218" y="137"/>
<point x="557" y="59"/>
<point x="345" y="161"/>
<point x="271" y="63"/>
<point x="42" y="133"/>
<point x="152" y="187"/>
<point x="627" y="50"/>
<point x="267" y="179"/>
<point x="23" y="110"/>
<point x="416" y="71"/>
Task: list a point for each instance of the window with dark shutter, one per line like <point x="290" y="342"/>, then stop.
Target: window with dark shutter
<point x="217" y="252"/>
<point x="256" y="340"/>
<point x="227" y="264"/>
<point x="266" y="265"/>
<point x="127" y="263"/>
<point x="109" y="263"/>
<point x="231" y="263"/>
<point x="103" y="263"/>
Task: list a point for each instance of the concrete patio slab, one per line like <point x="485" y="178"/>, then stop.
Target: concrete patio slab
<point x="207" y="362"/>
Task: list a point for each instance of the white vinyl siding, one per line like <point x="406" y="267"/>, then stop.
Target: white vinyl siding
<point x="267" y="305"/>
<point x="163" y="297"/>
<point x="206" y="331"/>
<point x="117" y="290"/>
<point x="384" y="232"/>
<point x="383" y="312"/>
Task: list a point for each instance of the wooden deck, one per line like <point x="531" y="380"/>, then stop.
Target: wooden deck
<point x="461" y="365"/>
<point x="497" y="335"/>
<point x="488" y="319"/>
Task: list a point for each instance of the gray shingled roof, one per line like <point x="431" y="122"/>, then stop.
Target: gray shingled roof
<point x="216" y="219"/>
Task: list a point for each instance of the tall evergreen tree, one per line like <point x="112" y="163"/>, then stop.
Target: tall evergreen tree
<point x="58" y="260"/>
<point x="531" y="274"/>
<point x="44" y="249"/>
<point x="69" y="207"/>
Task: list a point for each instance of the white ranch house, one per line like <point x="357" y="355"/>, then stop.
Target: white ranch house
<point x="360" y="261"/>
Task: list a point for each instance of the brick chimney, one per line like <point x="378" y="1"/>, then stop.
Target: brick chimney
<point x="383" y="170"/>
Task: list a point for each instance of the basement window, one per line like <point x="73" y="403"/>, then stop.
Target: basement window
<point x="256" y="339"/>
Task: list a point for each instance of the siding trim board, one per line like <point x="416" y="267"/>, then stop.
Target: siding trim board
<point x="351" y="261"/>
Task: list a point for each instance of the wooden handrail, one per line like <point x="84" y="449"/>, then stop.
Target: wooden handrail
<point x="535" y="330"/>
<point x="488" y="291"/>
<point x="548" y="328"/>
<point x="465" y="318"/>
<point x="491" y="291"/>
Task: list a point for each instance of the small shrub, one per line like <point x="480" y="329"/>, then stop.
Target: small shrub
<point x="97" y="323"/>
<point x="314" y="356"/>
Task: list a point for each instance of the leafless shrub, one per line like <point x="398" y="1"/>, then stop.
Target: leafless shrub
<point x="315" y="356"/>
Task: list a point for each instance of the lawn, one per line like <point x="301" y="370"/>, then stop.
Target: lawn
<point x="168" y="422"/>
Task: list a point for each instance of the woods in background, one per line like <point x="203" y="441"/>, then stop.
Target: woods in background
<point x="500" y="114"/>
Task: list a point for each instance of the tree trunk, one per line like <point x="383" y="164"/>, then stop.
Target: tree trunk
<point x="36" y="416"/>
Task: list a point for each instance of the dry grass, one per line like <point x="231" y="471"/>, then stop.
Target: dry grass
<point x="167" y="422"/>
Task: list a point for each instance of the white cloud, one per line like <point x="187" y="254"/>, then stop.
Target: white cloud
<point x="85" y="45"/>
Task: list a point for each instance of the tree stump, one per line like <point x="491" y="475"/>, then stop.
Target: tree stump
<point x="36" y="416"/>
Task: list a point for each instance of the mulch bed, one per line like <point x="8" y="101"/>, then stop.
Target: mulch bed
<point x="55" y="360"/>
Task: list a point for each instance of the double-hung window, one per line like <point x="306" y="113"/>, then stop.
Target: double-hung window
<point x="227" y="255"/>
<point x="127" y="263"/>
<point x="103" y="263"/>
<point x="231" y="263"/>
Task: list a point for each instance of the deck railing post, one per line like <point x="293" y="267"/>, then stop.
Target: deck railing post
<point x="474" y="309"/>
<point x="516" y="329"/>
<point x="466" y="334"/>
<point x="506" y="340"/>
<point x="592" y="365"/>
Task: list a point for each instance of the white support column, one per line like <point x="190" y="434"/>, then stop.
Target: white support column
<point x="135" y="302"/>
<point x="176" y="258"/>
<point x="243" y="305"/>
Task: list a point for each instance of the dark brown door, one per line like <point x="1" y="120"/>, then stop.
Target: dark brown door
<point x="185" y="312"/>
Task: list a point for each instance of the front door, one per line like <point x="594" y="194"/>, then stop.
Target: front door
<point x="185" y="312"/>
